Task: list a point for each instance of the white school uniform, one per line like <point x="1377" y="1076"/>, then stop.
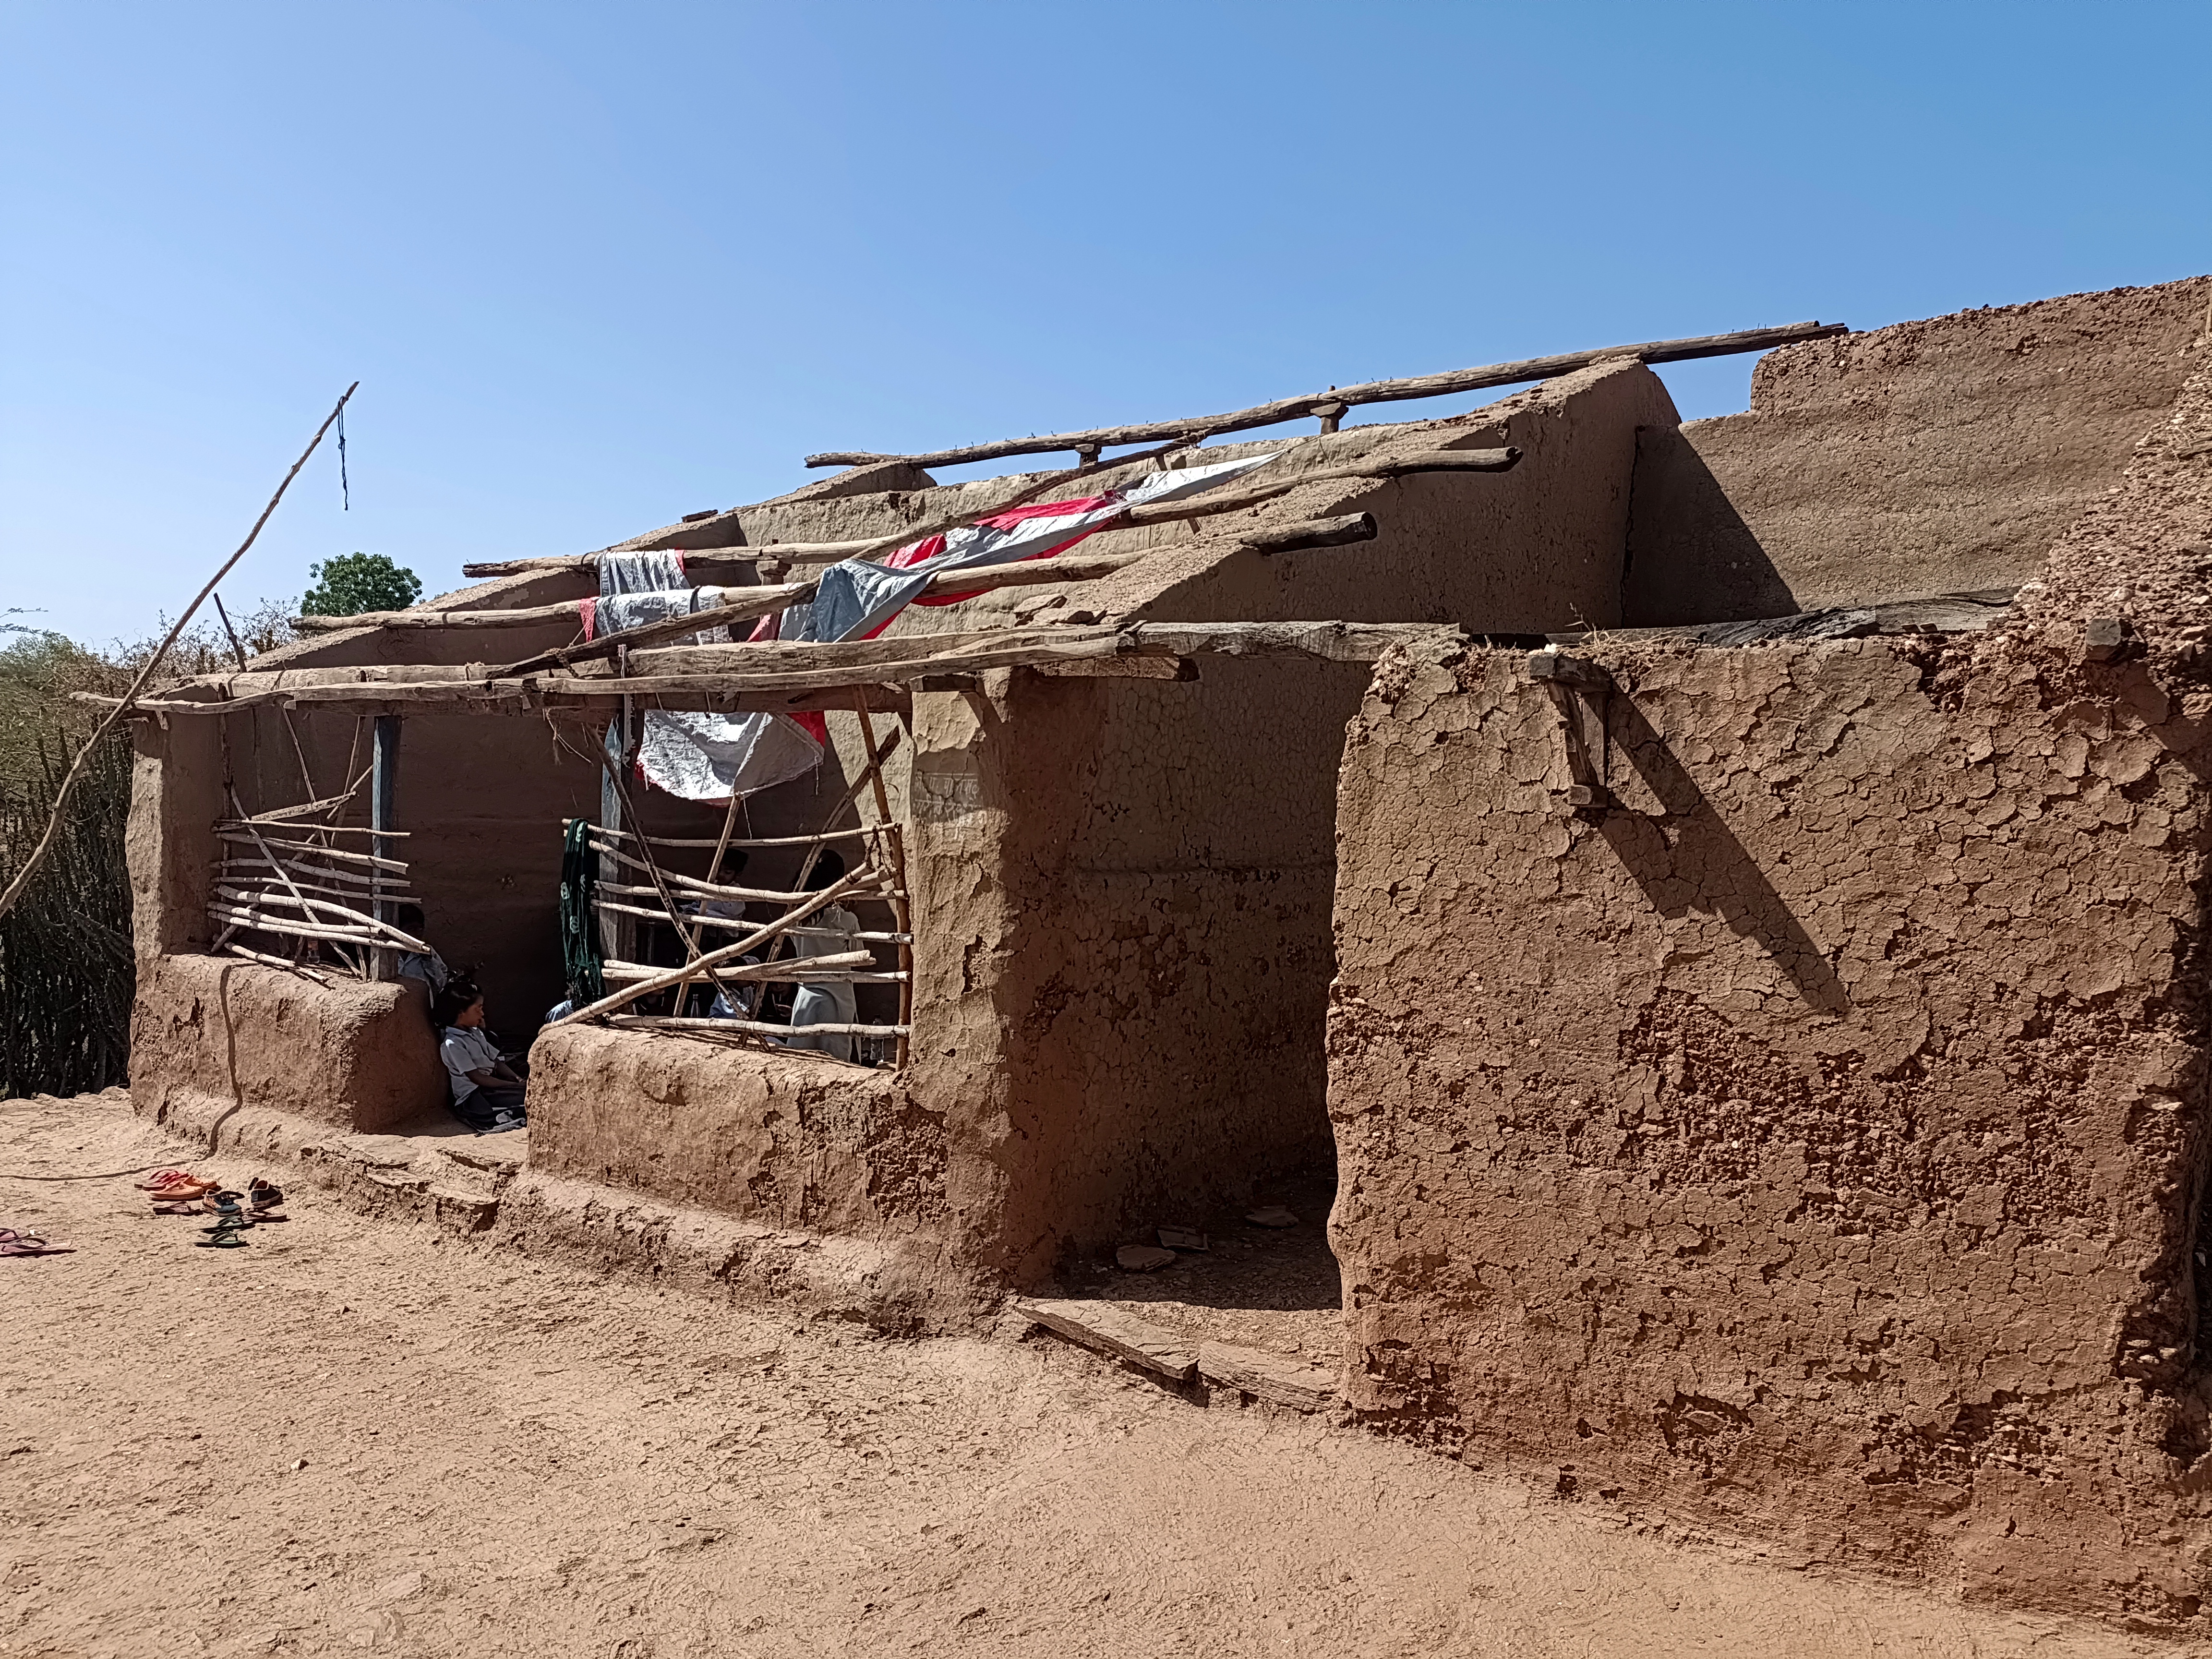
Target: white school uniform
<point x="464" y="1051"/>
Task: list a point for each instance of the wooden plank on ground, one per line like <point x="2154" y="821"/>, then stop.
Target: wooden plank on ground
<point x="1270" y="1376"/>
<point x="1101" y="1325"/>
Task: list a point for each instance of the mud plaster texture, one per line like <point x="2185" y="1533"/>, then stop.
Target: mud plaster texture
<point x="222" y="1032"/>
<point x="1946" y="454"/>
<point x="1815" y="1141"/>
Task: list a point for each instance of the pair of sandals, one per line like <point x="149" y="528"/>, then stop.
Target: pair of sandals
<point x="179" y="1192"/>
<point x="13" y="1242"/>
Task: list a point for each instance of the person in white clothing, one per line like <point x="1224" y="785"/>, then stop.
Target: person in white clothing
<point x="830" y="929"/>
<point x="488" y="1093"/>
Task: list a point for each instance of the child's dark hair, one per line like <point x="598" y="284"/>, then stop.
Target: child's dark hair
<point x="459" y="995"/>
<point x="829" y="870"/>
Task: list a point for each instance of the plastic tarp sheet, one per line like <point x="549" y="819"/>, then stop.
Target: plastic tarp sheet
<point x="707" y="758"/>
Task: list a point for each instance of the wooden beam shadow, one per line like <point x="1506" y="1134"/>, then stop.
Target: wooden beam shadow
<point x="1687" y="849"/>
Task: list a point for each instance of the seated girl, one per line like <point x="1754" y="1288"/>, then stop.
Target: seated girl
<point x="486" y="1090"/>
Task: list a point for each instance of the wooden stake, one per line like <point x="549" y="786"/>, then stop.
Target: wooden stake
<point x="902" y="918"/>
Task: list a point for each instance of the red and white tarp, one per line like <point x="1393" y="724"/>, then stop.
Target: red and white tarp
<point x="709" y="757"/>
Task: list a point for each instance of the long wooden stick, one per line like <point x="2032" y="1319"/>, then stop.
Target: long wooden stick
<point x="749" y="1027"/>
<point x="742" y="841"/>
<point x="336" y="854"/>
<point x="738" y="924"/>
<point x="299" y="869"/>
<point x="830" y="895"/>
<point x="238" y="898"/>
<point x="267" y="822"/>
<point x="1371" y="391"/>
<point x="900" y="917"/>
<point x="268" y="961"/>
<point x="834" y="966"/>
<point x="22" y="877"/>
<point x="283" y="874"/>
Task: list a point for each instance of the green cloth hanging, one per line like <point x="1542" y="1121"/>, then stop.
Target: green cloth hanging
<point x="580" y="924"/>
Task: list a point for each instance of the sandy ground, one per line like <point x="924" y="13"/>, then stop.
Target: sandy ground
<point x="358" y="1436"/>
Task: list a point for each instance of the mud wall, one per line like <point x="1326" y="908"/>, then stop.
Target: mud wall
<point x="223" y="1033"/>
<point x="1149" y="952"/>
<point x="791" y="1141"/>
<point x="1811" y="1144"/>
<point x="1942" y="455"/>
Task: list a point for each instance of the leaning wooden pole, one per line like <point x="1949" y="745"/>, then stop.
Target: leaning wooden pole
<point x="901" y="898"/>
<point x="22" y="877"/>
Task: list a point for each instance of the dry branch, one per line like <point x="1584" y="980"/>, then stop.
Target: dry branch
<point x="30" y="867"/>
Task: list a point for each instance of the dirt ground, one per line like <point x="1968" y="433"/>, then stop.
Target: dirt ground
<point x="357" y="1436"/>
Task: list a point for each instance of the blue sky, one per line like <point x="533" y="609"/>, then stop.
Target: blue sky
<point x="599" y="266"/>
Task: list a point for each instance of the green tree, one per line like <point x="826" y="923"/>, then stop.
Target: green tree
<point x="353" y="583"/>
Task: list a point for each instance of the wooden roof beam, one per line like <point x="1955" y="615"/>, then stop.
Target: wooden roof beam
<point x="1373" y="391"/>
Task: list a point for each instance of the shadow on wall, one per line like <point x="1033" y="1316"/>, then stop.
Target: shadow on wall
<point x="1691" y="557"/>
<point x="1687" y="861"/>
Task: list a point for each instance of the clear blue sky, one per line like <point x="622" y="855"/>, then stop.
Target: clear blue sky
<point x="598" y="266"/>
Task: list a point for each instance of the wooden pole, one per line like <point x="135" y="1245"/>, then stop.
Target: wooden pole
<point x="902" y="910"/>
<point x="383" y="798"/>
<point x="617" y="934"/>
<point x="1373" y="391"/>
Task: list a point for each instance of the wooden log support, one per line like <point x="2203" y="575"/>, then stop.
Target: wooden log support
<point x="568" y="612"/>
<point x="784" y="676"/>
<point x="1371" y="391"/>
<point x="1102" y="1327"/>
<point x="1313" y="534"/>
<point x="1582" y="690"/>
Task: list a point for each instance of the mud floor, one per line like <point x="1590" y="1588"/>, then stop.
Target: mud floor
<point x="356" y="1436"/>
<point x="1276" y="1288"/>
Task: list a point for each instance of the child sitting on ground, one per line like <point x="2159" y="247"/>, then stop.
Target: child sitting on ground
<point x="488" y="1093"/>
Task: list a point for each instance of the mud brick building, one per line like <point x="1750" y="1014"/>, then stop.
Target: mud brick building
<point x="1745" y="961"/>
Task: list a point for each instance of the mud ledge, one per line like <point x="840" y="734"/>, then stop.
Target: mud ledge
<point x="481" y="1190"/>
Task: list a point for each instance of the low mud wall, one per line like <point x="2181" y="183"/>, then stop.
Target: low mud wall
<point x="787" y="1140"/>
<point x="1812" y="1143"/>
<point x="225" y="1033"/>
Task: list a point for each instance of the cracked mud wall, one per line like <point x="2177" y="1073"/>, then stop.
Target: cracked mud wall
<point x="1944" y="455"/>
<point x="1812" y="1145"/>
